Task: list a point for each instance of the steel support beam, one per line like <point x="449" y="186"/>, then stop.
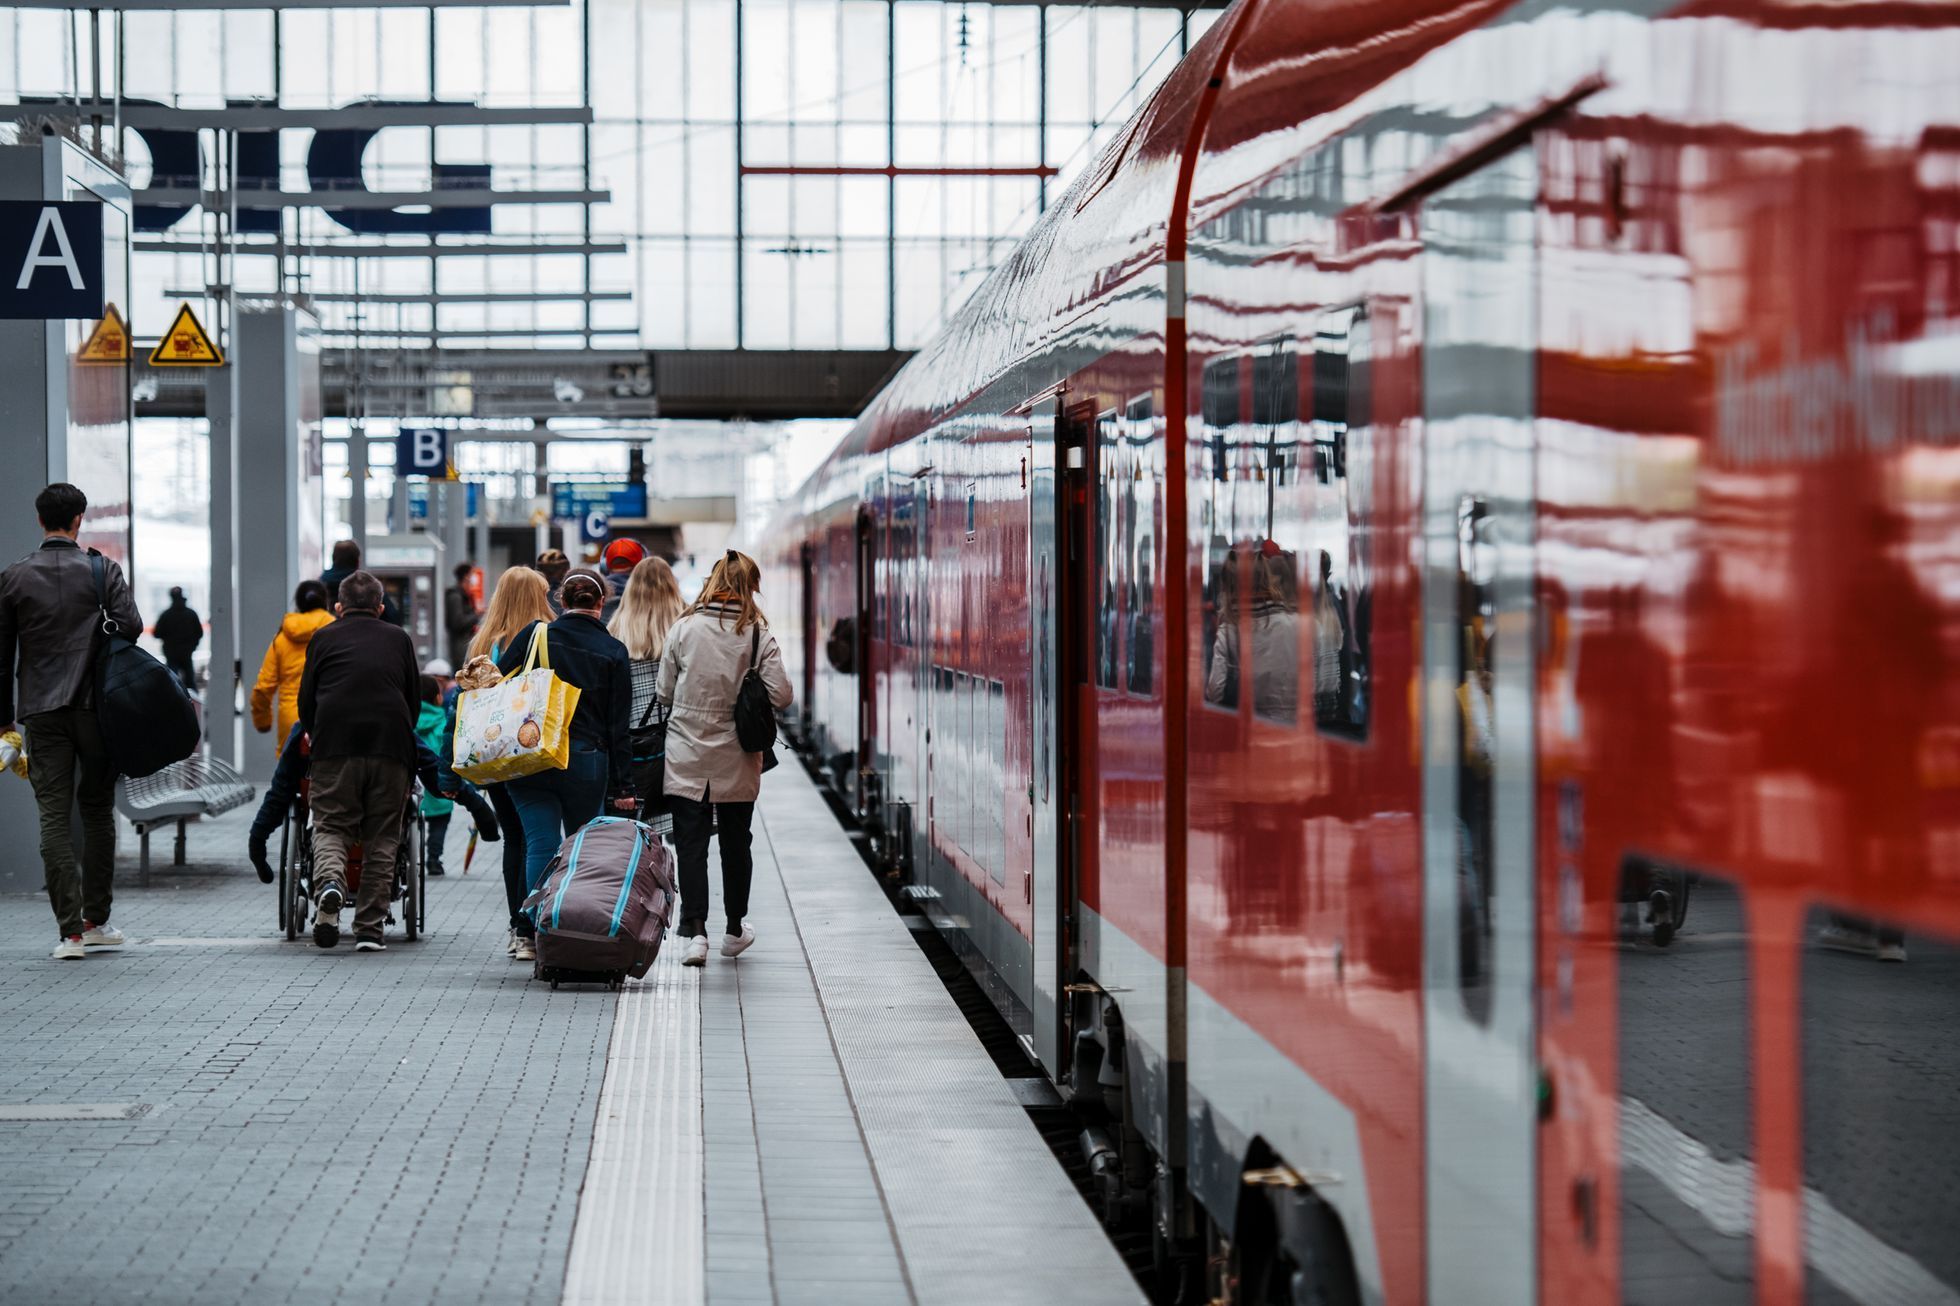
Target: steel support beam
<point x="272" y="117"/>
<point x="535" y="249"/>
<point x="460" y="197"/>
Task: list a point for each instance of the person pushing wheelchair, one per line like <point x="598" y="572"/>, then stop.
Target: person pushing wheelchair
<point x="358" y="701"/>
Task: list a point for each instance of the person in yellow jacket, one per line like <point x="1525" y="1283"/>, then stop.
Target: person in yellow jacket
<point x="285" y="661"/>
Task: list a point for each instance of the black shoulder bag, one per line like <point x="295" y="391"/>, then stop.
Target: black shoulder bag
<point x="755" y="719"/>
<point x="648" y="740"/>
<point x="146" y="719"/>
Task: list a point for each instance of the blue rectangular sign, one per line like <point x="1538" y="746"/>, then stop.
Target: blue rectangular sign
<point x="422" y="451"/>
<point x="571" y="500"/>
<point x="50" y="259"/>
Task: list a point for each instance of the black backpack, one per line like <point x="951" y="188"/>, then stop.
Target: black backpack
<point x="755" y="720"/>
<point x="146" y="718"/>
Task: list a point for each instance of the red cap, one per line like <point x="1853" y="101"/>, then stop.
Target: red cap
<point x="624" y="555"/>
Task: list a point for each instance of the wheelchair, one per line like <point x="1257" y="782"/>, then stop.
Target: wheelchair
<point x="408" y="900"/>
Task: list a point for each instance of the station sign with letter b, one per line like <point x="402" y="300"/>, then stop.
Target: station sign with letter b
<point x="422" y="451"/>
<point x="50" y="259"/>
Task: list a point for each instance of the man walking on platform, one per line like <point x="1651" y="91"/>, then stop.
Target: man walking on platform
<point x="49" y="621"/>
<point x="180" y="631"/>
<point x="358" y="701"/>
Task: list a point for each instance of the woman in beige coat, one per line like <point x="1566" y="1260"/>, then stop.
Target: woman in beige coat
<point x="712" y="784"/>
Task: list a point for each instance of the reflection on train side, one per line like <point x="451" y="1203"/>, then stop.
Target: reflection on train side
<point x="1687" y="1156"/>
<point x="1881" y="1113"/>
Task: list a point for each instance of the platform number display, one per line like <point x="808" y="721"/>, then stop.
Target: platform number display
<point x="422" y="451"/>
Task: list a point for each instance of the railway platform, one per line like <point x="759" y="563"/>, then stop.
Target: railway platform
<point x="215" y="1115"/>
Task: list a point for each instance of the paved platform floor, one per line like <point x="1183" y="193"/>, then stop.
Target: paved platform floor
<point x="813" y="1123"/>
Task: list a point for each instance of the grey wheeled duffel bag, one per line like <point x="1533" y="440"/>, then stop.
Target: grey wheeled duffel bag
<point x="604" y="904"/>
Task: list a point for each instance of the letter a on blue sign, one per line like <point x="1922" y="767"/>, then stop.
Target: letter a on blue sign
<point x="50" y="259"/>
<point x="421" y="451"/>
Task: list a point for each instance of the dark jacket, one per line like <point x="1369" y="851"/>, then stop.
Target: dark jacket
<point x="460" y="615"/>
<point x="391" y="611"/>
<point x="361" y="690"/>
<point x="179" y="631"/>
<point x="49" y="619"/>
<point x="583" y="654"/>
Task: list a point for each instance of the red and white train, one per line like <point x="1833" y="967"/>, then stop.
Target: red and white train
<point x="1409" y="634"/>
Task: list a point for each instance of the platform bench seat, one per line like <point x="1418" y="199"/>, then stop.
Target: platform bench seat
<point x="182" y="792"/>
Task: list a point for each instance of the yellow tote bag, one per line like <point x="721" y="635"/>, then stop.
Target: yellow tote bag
<point x="518" y="727"/>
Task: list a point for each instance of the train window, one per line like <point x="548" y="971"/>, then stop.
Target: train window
<point x="1111" y="491"/>
<point x="1274" y="620"/>
<point x="1341" y="485"/>
<point x="1222" y="579"/>
<point x="1140" y="548"/>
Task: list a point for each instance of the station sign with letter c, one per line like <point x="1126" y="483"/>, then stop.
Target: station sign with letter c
<point x="50" y="259"/>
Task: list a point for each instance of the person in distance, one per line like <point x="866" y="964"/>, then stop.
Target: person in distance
<point x="180" y="631"/>
<point x="50" y="624"/>
<point x="358" y="702"/>
<point x="554" y="566"/>
<point x="553" y="804"/>
<point x="711" y="783"/>
<point x="275" y="698"/>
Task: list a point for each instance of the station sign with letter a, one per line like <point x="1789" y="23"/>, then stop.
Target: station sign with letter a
<point x="50" y="259"/>
<point x="186" y="344"/>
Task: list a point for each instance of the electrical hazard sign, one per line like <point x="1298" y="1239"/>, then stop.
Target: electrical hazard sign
<point x="109" y="342"/>
<point x="186" y="344"/>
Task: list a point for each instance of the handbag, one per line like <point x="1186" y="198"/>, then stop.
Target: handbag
<point x="649" y="744"/>
<point x="755" y="719"/>
<point x="520" y="726"/>
<point x="146" y="719"/>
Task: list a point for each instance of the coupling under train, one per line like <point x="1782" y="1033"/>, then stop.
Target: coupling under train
<point x="1408" y="635"/>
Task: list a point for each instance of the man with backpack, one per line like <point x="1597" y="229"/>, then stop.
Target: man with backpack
<point x="49" y="625"/>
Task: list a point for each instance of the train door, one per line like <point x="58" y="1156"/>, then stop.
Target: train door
<point x="806" y="698"/>
<point x="918" y="630"/>
<point x="1058" y="569"/>
<point x="1478" y="380"/>
<point x="864" y="785"/>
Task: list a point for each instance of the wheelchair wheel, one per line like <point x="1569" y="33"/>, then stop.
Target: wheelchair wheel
<point x="285" y="850"/>
<point x="297" y="884"/>
<point x="408" y="872"/>
<point x="422" y="882"/>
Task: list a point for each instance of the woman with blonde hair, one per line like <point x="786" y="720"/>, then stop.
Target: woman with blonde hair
<point x="648" y="609"/>
<point x="711" y="783"/>
<point x="521" y="600"/>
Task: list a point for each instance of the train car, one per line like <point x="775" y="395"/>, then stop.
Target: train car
<point x="1409" y="634"/>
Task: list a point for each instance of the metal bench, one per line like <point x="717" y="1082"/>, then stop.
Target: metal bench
<point x="182" y="792"/>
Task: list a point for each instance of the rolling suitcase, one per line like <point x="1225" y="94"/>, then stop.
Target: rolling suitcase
<point x="604" y="904"/>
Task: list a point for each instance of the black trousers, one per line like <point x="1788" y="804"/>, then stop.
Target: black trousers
<point x="694" y="821"/>
<point x="512" y="831"/>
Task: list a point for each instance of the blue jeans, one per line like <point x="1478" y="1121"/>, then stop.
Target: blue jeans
<point x="553" y="804"/>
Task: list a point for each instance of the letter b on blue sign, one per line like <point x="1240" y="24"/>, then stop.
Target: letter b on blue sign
<point x="421" y="451"/>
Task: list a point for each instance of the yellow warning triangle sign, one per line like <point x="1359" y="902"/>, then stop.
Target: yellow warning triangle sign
<point x="109" y="342"/>
<point x="186" y="344"/>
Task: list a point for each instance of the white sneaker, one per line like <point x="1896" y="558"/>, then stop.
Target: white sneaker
<point x="734" y="945"/>
<point x="510" y="944"/>
<point x="70" y="949"/>
<point x="370" y="945"/>
<point x="102" y="936"/>
<point x="697" y="951"/>
<point x="1839" y="938"/>
<point x="526" y="949"/>
<point x="1891" y="952"/>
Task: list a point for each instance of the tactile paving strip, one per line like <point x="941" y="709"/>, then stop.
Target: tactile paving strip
<point x="638" y="1237"/>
